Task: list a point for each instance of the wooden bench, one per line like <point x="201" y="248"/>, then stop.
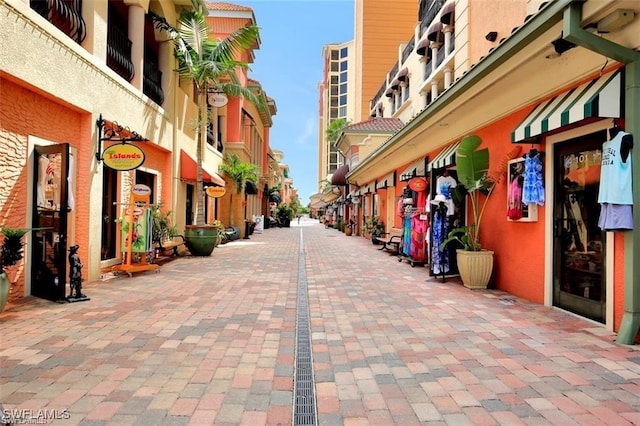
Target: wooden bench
<point x="391" y="240"/>
<point x="171" y="245"/>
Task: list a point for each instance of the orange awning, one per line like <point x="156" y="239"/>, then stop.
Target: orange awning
<point x="188" y="171"/>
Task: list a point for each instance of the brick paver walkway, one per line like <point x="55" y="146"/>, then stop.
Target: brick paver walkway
<point x="212" y="341"/>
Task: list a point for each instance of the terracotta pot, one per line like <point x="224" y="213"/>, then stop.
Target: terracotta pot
<point x="475" y="268"/>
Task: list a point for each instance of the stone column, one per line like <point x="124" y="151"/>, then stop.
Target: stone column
<point x="136" y="35"/>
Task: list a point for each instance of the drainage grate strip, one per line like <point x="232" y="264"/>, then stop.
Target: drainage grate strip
<point x="304" y="407"/>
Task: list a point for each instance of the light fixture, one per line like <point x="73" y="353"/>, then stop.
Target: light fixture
<point x="491" y="36"/>
<point x="561" y="45"/>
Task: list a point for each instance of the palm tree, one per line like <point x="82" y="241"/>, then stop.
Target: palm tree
<point x="239" y="172"/>
<point x="335" y="129"/>
<point x="210" y="65"/>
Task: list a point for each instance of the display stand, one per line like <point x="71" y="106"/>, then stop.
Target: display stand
<point x="414" y="245"/>
<point x="137" y="201"/>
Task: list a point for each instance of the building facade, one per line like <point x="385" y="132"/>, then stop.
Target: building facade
<point x="79" y="81"/>
<point x="557" y="78"/>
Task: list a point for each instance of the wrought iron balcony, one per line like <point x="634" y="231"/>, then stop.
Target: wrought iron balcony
<point x="428" y="11"/>
<point x="119" y="52"/>
<point x="66" y="15"/>
<point x="408" y="50"/>
<point x="152" y="82"/>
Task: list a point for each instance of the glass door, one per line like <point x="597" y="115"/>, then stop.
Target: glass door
<point x="50" y="216"/>
<point x="579" y="244"/>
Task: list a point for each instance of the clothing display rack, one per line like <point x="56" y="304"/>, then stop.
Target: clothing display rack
<point x="136" y="209"/>
<point x="413" y="248"/>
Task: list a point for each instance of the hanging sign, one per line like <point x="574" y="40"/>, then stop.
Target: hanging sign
<point x="218" y="99"/>
<point x="123" y="157"/>
<point x="140" y="189"/>
<point x="418" y="184"/>
<point x="215" y="191"/>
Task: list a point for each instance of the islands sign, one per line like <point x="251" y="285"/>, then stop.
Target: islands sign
<point x="215" y="191"/>
<point x="123" y="157"/>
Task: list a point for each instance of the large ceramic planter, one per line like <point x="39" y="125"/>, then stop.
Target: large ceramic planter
<point x="200" y="239"/>
<point x="475" y="268"/>
<point x="5" y="285"/>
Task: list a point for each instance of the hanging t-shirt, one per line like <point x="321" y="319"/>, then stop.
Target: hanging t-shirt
<point x="444" y="186"/>
<point x="615" y="174"/>
<point x="615" y="194"/>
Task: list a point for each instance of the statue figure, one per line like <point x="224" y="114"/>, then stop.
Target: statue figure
<point x="75" y="273"/>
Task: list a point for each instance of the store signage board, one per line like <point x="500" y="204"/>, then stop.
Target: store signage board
<point x="418" y="184"/>
<point x="140" y="189"/>
<point x="123" y="157"/>
<point x="215" y="191"/>
<point x="218" y="100"/>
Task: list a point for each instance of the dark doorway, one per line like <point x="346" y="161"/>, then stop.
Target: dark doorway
<point x="579" y="244"/>
<point x="109" y="213"/>
<point x="50" y="217"/>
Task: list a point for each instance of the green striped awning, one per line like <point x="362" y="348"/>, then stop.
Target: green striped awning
<point x="445" y="158"/>
<point x="388" y="180"/>
<point x="600" y="97"/>
<point x="369" y="188"/>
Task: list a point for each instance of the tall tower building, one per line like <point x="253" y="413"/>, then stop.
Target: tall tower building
<point x="353" y="70"/>
<point x="336" y="100"/>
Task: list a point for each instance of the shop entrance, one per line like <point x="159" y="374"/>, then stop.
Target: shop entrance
<point x="579" y="244"/>
<point x="50" y="216"/>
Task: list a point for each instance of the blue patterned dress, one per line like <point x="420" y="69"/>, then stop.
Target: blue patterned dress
<point x="439" y="231"/>
<point x="533" y="186"/>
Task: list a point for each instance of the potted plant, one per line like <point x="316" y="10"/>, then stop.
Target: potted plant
<point x="374" y="227"/>
<point x="162" y="227"/>
<point x="348" y="230"/>
<point x="11" y="252"/>
<point x="210" y="64"/>
<point x="475" y="263"/>
<point x="284" y="214"/>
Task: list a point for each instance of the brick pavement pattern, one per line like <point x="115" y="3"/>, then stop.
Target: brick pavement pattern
<point x="212" y="341"/>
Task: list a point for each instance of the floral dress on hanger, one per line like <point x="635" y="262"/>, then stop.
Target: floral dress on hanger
<point x="533" y="186"/>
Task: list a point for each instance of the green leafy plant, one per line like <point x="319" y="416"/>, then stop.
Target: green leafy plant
<point x="476" y="182"/>
<point x="163" y="228"/>
<point x="284" y="211"/>
<point x="374" y="226"/>
<point x="12" y="248"/>
<point x="239" y="172"/>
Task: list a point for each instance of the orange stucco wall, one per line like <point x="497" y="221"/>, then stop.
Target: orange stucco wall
<point x="518" y="246"/>
<point x="24" y="112"/>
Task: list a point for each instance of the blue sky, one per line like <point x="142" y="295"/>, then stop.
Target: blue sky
<point x="289" y="66"/>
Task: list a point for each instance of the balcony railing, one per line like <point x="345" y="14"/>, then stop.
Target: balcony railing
<point x="452" y="46"/>
<point x="428" y="11"/>
<point x="152" y="82"/>
<point x="66" y="15"/>
<point x="119" y="52"/>
<point x="440" y="56"/>
<point x="428" y="69"/>
<point x="378" y="95"/>
<point x="408" y="49"/>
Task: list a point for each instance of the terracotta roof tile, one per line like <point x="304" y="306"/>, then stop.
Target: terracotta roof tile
<point x="383" y="125"/>
<point x="221" y="5"/>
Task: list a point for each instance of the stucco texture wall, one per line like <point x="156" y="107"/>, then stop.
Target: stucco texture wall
<point x="518" y="246"/>
<point x="24" y="112"/>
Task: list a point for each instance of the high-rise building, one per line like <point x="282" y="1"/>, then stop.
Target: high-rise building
<point x="353" y="70"/>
